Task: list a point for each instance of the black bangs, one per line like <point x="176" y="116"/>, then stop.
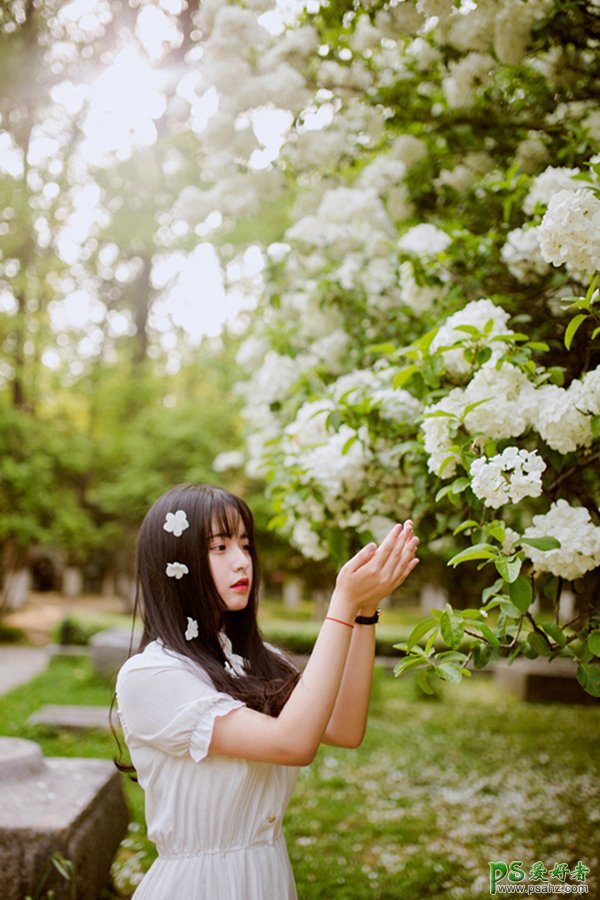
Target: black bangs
<point x="226" y="513"/>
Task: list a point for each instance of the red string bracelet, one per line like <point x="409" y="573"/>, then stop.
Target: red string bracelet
<point x="341" y="621"/>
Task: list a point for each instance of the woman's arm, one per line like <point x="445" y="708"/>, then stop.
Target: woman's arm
<point x="348" y="722"/>
<point x="294" y="736"/>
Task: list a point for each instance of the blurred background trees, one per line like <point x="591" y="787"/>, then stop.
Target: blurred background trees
<point x="391" y="200"/>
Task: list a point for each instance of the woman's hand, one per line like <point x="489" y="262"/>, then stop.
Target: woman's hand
<point x="374" y="572"/>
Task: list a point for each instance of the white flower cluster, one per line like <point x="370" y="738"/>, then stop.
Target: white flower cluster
<point x="418" y="297"/>
<point x="507" y="477"/>
<point x="477" y="314"/>
<point x="347" y="219"/>
<point x="465" y="77"/>
<point x="376" y="386"/>
<point x="333" y="461"/>
<point x="522" y="256"/>
<point x="579" y="538"/>
<point x="544" y="186"/>
<point x="511" y="405"/>
<point x="425" y="241"/>
<point x="570" y="231"/>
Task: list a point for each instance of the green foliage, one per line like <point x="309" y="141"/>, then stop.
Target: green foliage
<point x="362" y="821"/>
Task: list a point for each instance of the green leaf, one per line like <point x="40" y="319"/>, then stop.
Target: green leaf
<point x="508" y="567"/>
<point x="588" y="676"/>
<point x="460" y="484"/>
<point x="278" y="522"/>
<point x="348" y="444"/>
<point x="537" y="643"/>
<point x="542" y="543"/>
<point x="481" y="654"/>
<point x="424" y="681"/>
<point x="489" y="635"/>
<point x="469" y="523"/>
<point x="420" y="630"/>
<point x="409" y="662"/>
<point x="572" y="328"/>
<point x="477" y="551"/>
<point x="521" y="593"/>
<point x="594" y="642"/>
<point x="404" y="375"/>
<point x="449" y="672"/>
<point x="472" y="406"/>
<point x="452" y="629"/>
<point x="555" y="632"/>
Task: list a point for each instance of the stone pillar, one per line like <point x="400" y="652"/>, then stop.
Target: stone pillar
<point x="74" y="807"/>
<point x="292" y="593"/>
<point x="72" y="581"/>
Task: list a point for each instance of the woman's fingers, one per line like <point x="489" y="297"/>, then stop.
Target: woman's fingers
<point x="363" y="556"/>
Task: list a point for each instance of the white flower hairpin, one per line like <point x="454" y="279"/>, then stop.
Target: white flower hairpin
<point x="191" y="631"/>
<point x="176" y="522"/>
<point x="177" y="570"/>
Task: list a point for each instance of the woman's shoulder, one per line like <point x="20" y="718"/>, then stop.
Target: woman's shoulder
<point x="156" y="655"/>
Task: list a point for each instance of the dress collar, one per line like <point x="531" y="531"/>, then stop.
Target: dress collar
<point x="234" y="663"/>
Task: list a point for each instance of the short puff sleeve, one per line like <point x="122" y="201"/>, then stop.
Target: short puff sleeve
<point x="169" y="704"/>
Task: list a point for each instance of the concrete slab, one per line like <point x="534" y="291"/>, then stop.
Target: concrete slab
<point x="74" y="807"/>
<point x="538" y="680"/>
<point x="19" y="664"/>
<point x="72" y="717"/>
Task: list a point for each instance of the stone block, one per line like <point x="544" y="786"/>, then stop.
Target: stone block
<point x="538" y="680"/>
<point x="75" y="807"/>
<point x="73" y="717"/>
<point x="110" y="648"/>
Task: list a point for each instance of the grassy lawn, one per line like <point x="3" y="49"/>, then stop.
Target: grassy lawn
<point x="438" y="789"/>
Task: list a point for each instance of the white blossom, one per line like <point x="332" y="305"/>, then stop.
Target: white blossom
<point x="424" y="240"/>
<point x="477" y="314"/>
<point x="522" y="256"/>
<point x="570" y="231"/>
<point x="544" y="186"/>
<point x="507" y="477"/>
<point x="229" y="459"/>
<point x="176" y="570"/>
<point x="418" y="297"/>
<point x="579" y="538"/>
<point x="408" y="149"/>
<point x="465" y="77"/>
<point x="505" y="399"/>
<point x="275" y="377"/>
<point x="176" y="522"/>
<point x="531" y="153"/>
<point x="365" y="35"/>
<point x="381" y="174"/>
<point x="560" y="418"/>
<point x="191" y="631"/>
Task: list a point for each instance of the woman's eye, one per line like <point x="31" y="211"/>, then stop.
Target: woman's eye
<point x="218" y="547"/>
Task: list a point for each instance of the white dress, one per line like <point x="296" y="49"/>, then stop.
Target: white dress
<point x="216" y="821"/>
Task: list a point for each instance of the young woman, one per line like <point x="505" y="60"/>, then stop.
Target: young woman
<point x="216" y="720"/>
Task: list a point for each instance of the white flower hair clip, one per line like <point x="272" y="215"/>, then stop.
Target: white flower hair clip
<point x="191" y="631"/>
<point x="176" y="522"/>
<point x="177" y="570"/>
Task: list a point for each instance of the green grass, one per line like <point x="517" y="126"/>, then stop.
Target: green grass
<point x="438" y="789"/>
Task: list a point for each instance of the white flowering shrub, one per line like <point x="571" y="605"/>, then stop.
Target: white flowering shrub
<point x="426" y="345"/>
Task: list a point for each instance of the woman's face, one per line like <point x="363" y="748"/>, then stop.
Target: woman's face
<point x="231" y="566"/>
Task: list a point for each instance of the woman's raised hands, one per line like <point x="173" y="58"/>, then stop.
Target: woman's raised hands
<point x="374" y="572"/>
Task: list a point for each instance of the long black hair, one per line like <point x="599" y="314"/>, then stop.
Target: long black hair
<point x="167" y="602"/>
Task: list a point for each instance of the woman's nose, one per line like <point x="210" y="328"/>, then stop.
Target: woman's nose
<point x="240" y="560"/>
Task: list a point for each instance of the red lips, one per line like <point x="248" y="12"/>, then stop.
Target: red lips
<point x="242" y="583"/>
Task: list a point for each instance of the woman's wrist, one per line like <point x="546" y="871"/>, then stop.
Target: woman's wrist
<point x="342" y="607"/>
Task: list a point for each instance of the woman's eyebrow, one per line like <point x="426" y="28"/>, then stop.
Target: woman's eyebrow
<point x="223" y="534"/>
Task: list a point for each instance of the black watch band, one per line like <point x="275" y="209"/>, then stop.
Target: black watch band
<point x="368" y="620"/>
